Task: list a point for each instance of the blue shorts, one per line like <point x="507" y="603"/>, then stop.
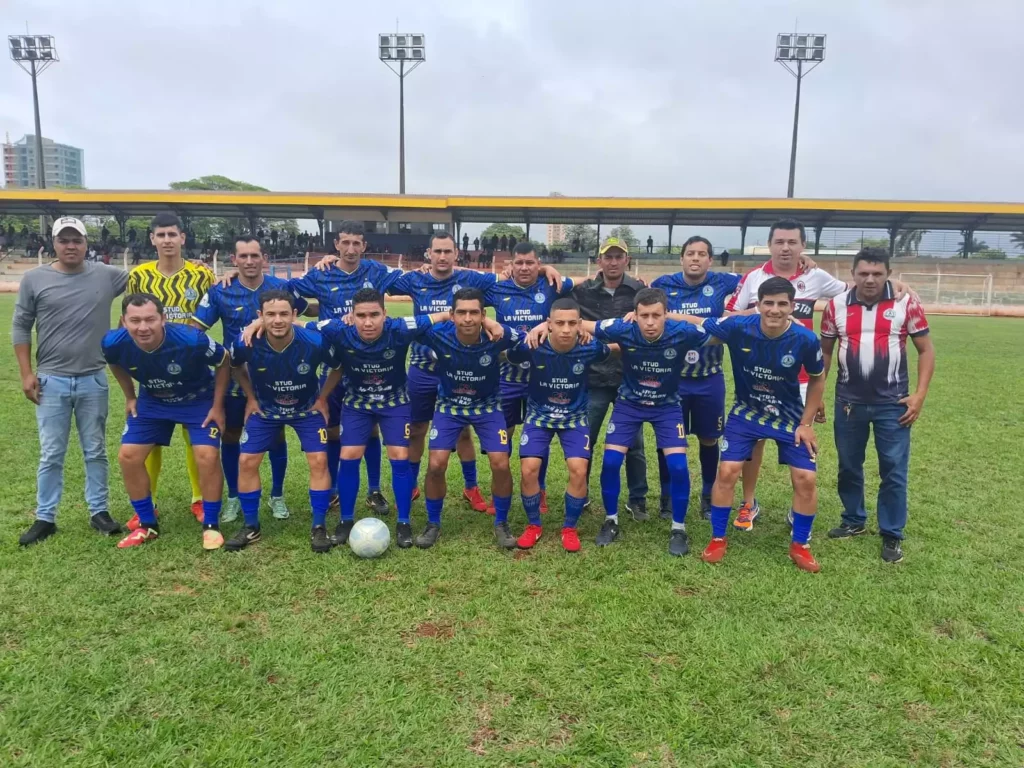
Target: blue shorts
<point x="513" y="402"/>
<point x="156" y="422"/>
<point x="261" y="433"/>
<point x="703" y="405"/>
<point x="628" y="419"/>
<point x="489" y="427"/>
<point x="741" y="436"/>
<point x="422" y="387"/>
<point x="535" y="441"/>
<point x="234" y="410"/>
<point x="357" y="425"/>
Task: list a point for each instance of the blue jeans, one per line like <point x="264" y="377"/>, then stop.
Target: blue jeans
<point x="892" y="443"/>
<point x="60" y="397"/>
<point x="600" y="400"/>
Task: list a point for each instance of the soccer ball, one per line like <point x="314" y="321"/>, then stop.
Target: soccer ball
<point x="370" y="537"/>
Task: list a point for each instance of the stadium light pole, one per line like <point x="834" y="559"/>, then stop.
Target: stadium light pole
<point x="401" y="49"/>
<point x="34" y="53"/>
<point x="799" y="48"/>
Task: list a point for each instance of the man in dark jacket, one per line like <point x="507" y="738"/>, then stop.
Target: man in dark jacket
<point x="610" y="295"/>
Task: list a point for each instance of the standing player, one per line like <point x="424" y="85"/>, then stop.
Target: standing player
<point x="698" y="291"/>
<point x="179" y="285"/>
<point x="235" y="306"/>
<point x="556" y="405"/>
<point x="172" y="364"/>
<point x="523" y="302"/>
<point x="767" y="351"/>
<point x="468" y="395"/>
<point x="372" y="352"/>
<point x="282" y="388"/>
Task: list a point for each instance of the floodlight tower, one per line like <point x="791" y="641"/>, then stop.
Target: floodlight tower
<point x="401" y="49"/>
<point x="34" y="53"/>
<point x="800" y="48"/>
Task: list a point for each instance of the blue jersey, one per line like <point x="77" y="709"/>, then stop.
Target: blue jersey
<point x="375" y="374"/>
<point x="236" y="306"/>
<point x="706" y="299"/>
<point x="467" y="374"/>
<point x="766" y="370"/>
<point x="178" y="371"/>
<point x="557" y="394"/>
<point x="651" y="369"/>
<point x="285" y="382"/>
<point x="430" y="295"/>
<point x="523" y="309"/>
<point x="334" y="288"/>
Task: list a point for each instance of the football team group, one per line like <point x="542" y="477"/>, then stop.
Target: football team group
<point x="556" y="357"/>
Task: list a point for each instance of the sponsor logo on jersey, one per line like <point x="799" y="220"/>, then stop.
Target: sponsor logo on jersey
<point x="788" y="360"/>
<point x="559" y="399"/>
<point x="693" y="356"/>
<point x="771" y="410"/>
<point x="303" y="368"/>
<point x="649" y="383"/>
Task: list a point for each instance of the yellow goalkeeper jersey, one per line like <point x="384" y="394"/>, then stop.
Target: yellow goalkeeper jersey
<point x="180" y="292"/>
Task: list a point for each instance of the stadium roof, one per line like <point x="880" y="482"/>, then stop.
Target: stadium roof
<point x="725" y="212"/>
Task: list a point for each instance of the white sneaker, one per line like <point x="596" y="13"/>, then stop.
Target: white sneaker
<point x="278" y="508"/>
<point x="231" y="509"/>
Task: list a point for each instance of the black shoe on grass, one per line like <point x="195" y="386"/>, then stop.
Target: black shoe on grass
<point x="342" y="531"/>
<point x="847" y="531"/>
<point x="504" y="537"/>
<point x="705" y="507"/>
<point x="638" y="509"/>
<point x="105" y="524"/>
<point x="243" y="538"/>
<point x="403" y="535"/>
<point x="892" y="549"/>
<point x="40" y="530"/>
<point x="319" y="540"/>
<point x="377" y="503"/>
<point x="429" y="537"/>
<point x="609" y="532"/>
<point x="678" y="543"/>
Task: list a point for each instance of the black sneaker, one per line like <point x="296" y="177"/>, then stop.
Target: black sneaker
<point x="335" y="502"/>
<point x="609" y="532"/>
<point x="428" y="538"/>
<point x="638" y="509"/>
<point x="678" y="543"/>
<point x="504" y="537"/>
<point x="342" y="531"/>
<point x="847" y="531"/>
<point x="892" y="549"/>
<point x="705" y="507"/>
<point x="243" y="538"/>
<point x="377" y="503"/>
<point x="40" y="530"/>
<point x="403" y="535"/>
<point x="319" y="540"/>
<point x="105" y="524"/>
<point x="665" y="511"/>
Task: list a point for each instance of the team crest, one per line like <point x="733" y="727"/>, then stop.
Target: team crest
<point x="456" y="288"/>
<point x="800" y="285"/>
<point x="367" y="284"/>
<point x="485" y="360"/>
<point x="244" y="437"/>
<point x="607" y="323"/>
<point x="538" y="297"/>
<point x="889" y="314"/>
<point x="788" y="360"/>
<point x="341" y="430"/>
<point x="692" y="357"/>
<point x="524" y="439"/>
<point x="578" y="368"/>
<point x="388" y="354"/>
<point x="525" y="365"/>
<point x="670" y="354"/>
<point x="322" y="324"/>
<point x="771" y="410"/>
<point x="125" y="430"/>
<point x="303" y="368"/>
<point x="724" y="444"/>
<point x="190" y="294"/>
<point x="708" y="291"/>
<point x="611" y="427"/>
<point x="433" y="433"/>
<point x="174" y="369"/>
<point x="205" y="300"/>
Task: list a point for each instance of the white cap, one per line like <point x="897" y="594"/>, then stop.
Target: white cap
<point x="69" y="222"/>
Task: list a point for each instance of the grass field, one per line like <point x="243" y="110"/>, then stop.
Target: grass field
<point x="464" y="655"/>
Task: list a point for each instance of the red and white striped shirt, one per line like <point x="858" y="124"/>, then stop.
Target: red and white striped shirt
<point x="872" y="353"/>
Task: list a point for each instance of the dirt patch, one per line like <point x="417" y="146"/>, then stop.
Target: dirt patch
<point x="484" y="735"/>
<point x="273" y="679"/>
<point x="442" y="630"/>
<point x="385" y="577"/>
<point x="917" y="711"/>
<point x="687" y="591"/>
<point x="520" y="554"/>
<point x="177" y="589"/>
<point x="944" y="629"/>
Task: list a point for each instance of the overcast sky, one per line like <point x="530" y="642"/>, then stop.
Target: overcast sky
<point x="916" y="99"/>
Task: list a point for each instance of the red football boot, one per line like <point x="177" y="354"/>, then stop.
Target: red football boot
<point x="415" y="493"/>
<point x="476" y="499"/>
<point x="197" y="511"/>
<point x="801" y="555"/>
<point x="138" y="537"/>
<point x="543" y="502"/>
<point x="133" y="524"/>
<point x="570" y="540"/>
<point x="530" y="537"/>
<point x="714" y="551"/>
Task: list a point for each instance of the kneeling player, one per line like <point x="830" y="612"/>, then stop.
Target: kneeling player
<point x="556" y="405"/>
<point x="282" y="388"/>
<point x="372" y="352"/>
<point x="767" y="351"/>
<point x="172" y="364"/>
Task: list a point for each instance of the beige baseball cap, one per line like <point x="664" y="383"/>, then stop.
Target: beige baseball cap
<point x="69" y="222"/>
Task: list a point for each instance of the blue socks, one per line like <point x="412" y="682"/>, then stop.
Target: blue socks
<point x="543" y="479"/>
<point x="708" y="467"/>
<point x="333" y="458"/>
<point x="611" y="481"/>
<point x="719" y="521"/>
<point x="144" y="509"/>
<point x="229" y="453"/>
<point x="251" y="508"/>
<point x="414" y="474"/>
<point x="532" y="506"/>
<point x="401" y="481"/>
<point x="679" y="478"/>
<point x="469" y="473"/>
<point x="573" y="510"/>
<point x="211" y="512"/>
<point x="278" y="454"/>
<point x="348" y="487"/>
<point x="802" y="527"/>
<point x="372" y="457"/>
<point x="434" y="507"/>
<point x="502" y="504"/>
<point x="319" y="501"/>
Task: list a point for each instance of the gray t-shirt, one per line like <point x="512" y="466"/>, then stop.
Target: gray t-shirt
<point x="71" y="313"/>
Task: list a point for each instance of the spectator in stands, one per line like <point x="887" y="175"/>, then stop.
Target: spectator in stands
<point x="476" y="243"/>
<point x="724" y="257"/>
<point x="576" y="245"/>
<point x="465" y="242"/>
<point x="511" y="243"/>
<point x="543" y="250"/>
<point x="650" y="244"/>
<point x="504" y="243"/>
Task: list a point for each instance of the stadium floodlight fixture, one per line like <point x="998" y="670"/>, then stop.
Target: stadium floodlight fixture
<point x="794" y="50"/>
<point x="402" y="52"/>
<point x="34" y="53"/>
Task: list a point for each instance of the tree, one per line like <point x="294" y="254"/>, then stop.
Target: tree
<point x="1017" y="238"/>
<point x="967" y="247"/>
<point x="866" y="242"/>
<point x="991" y="253"/>
<point x="219" y="227"/>
<point x="908" y="241"/>
<point x="586" y="235"/>
<point x="625" y="232"/>
<point x="508" y="230"/>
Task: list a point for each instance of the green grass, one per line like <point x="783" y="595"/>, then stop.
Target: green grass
<point x="465" y="655"/>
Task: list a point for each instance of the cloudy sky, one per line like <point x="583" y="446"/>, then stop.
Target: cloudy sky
<point x="917" y="98"/>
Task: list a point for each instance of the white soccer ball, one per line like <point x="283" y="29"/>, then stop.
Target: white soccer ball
<point x="370" y="537"/>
